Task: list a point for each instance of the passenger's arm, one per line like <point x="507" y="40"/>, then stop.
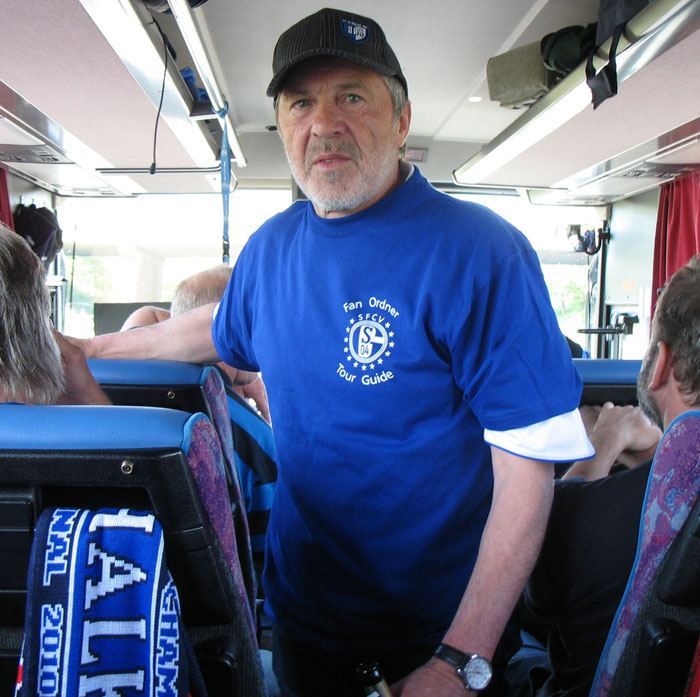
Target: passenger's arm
<point x="186" y="337"/>
<point x="522" y="498"/>
<point x="621" y="434"/>
<point x="144" y="317"/>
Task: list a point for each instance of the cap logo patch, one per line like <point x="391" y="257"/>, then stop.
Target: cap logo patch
<point x="353" y="30"/>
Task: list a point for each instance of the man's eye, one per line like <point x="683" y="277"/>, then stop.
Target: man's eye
<point x="353" y="98"/>
<point x="301" y="103"/>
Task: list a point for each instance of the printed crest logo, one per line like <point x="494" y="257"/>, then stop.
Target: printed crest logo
<point x="353" y="30"/>
<point x="369" y="341"/>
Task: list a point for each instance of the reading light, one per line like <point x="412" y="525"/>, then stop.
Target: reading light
<point x="190" y="34"/>
<point x="520" y="136"/>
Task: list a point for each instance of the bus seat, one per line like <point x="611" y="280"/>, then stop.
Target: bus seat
<point x="608" y="380"/>
<point x="656" y="628"/>
<point x="190" y="387"/>
<point x="160" y="460"/>
<point x="254" y="450"/>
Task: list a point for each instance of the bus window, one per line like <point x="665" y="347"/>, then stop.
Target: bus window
<point x="136" y="250"/>
<point x="566" y="271"/>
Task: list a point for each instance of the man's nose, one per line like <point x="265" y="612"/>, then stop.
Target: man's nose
<point x="328" y="119"/>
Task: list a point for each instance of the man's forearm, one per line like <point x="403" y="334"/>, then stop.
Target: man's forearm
<point x="186" y="337"/>
<point x="509" y="547"/>
<point x="510" y="544"/>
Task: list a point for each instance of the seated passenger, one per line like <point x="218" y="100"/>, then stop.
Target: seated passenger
<point x="203" y="288"/>
<point x="253" y="447"/>
<point x="591" y="539"/>
<point x="254" y="451"/>
<point x="37" y="364"/>
<point x="145" y="316"/>
<point x="623" y="436"/>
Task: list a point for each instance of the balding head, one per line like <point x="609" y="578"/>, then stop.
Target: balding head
<point x="201" y="289"/>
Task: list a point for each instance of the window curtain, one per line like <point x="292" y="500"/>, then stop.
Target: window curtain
<point x="677" y="229"/>
<point x="5" y="209"/>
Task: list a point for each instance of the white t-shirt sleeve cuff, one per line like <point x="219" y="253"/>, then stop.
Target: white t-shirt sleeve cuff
<point x="559" y="439"/>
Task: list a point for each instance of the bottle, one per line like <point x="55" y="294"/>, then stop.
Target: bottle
<point x="372" y="680"/>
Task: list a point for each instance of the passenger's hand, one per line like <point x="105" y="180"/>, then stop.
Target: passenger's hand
<point x="435" y="679"/>
<point x="80" y="385"/>
<point x="636" y="435"/>
<point x="255" y="390"/>
<point x="85" y="345"/>
<point x="589" y="415"/>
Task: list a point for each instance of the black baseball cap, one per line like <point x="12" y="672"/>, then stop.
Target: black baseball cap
<point x="334" y="33"/>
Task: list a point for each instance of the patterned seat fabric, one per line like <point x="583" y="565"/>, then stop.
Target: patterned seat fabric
<point x="671" y="493"/>
<point x="215" y="394"/>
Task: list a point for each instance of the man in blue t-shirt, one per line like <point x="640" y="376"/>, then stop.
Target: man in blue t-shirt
<point x="417" y="379"/>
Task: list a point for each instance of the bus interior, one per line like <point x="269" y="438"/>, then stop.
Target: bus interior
<point x="91" y="104"/>
<point x="143" y="125"/>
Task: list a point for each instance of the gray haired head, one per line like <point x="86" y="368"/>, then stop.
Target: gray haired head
<point x="201" y="289"/>
<point x="31" y="370"/>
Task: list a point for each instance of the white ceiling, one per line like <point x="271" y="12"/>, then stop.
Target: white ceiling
<point x="70" y="72"/>
<point x="54" y="56"/>
<point x="456" y="37"/>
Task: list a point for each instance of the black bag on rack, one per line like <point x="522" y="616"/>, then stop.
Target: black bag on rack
<point x="40" y="228"/>
<point x="564" y="50"/>
<point x="613" y="15"/>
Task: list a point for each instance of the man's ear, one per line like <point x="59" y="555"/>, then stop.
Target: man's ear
<point x="404" y="124"/>
<point x="663" y="368"/>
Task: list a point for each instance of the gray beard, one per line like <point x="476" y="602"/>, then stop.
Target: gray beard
<point x="646" y="401"/>
<point x="344" y="199"/>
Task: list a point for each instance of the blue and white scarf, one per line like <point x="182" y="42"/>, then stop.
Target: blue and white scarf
<point x="103" y="614"/>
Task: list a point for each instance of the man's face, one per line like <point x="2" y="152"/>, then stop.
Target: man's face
<point x="340" y="135"/>
<point x="646" y="399"/>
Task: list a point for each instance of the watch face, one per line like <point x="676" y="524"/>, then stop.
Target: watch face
<point x="478" y="673"/>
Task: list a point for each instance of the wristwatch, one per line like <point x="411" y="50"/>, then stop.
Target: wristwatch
<point x="474" y="671"/>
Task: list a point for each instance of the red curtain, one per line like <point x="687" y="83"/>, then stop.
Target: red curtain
<point x="5" y="209"/>
<point x="677" y="229"/>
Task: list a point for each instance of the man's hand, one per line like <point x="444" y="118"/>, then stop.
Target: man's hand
<point x="253" y="389"/>
<point x="435" y="679"/>
<point x="80" y="385"/>
<point x="630" y="428"/>
<point x="618" y="434"/>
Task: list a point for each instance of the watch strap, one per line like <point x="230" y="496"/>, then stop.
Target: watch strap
<point x="456" y="658"/>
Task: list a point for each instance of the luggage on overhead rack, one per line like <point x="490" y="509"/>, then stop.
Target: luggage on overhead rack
<point x="518" y="78"/>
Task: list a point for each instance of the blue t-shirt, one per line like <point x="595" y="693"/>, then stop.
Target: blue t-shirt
<point x="388" y="341"/>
